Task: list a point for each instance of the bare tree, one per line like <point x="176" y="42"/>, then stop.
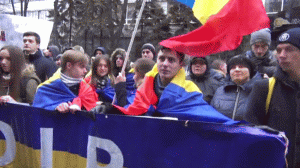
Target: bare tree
<point x="13" y="6"/>
<point x="24" y="7"/>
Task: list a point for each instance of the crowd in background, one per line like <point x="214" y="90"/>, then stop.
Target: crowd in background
<point x="237" y="88"/>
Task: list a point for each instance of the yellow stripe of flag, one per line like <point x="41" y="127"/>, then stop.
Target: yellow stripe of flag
<point x="203" y="9"/>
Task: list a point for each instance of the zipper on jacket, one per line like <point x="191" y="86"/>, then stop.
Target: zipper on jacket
<point x="236" y="102"/>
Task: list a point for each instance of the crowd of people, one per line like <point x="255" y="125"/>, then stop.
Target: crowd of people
<point x="260" y="86"/>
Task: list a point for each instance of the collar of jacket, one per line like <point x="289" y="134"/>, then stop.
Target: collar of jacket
<point x="267" y="58"/>
<point x="35" y="56"/>
<point x="200" y="78"/>
<point x="284" y="77"/>
<point x="246" y="86"/>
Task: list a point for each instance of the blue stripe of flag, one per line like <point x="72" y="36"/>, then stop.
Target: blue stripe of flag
<point x="189" y="3"/>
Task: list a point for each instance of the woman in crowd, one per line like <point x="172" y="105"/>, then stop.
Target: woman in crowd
<point x="102" y="78"/>
<point x="18" y="81"/>
<point x="231" y="98"/>
<point x="117" y="62"/>
<point x="205" y="78"/>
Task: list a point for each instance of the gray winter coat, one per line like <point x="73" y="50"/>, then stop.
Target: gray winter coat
<point x="231" y="99"/>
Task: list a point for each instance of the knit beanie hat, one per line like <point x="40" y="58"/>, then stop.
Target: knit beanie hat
<point x="263" y="35"/>
<point x="241" y="60"/>
<point x="150" y="47"/>
<point x="102" y="49"/>
<point x="291" y="36"/>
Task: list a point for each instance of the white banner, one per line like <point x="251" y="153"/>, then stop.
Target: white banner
<point x="12" y="28"/>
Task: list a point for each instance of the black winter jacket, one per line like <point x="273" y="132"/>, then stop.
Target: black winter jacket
<point x="266" y="65"/>
<point x="208" y="83"/>
<point x="283" y="113"/>
<point x="44" y="67"/>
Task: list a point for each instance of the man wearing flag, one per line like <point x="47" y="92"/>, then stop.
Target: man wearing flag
<point x="166" y="92"/>
<point x="66" y="91"/>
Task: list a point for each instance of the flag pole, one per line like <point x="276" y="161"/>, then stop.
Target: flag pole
<point x="131" y="41"/>
<point x="133" y="36"/>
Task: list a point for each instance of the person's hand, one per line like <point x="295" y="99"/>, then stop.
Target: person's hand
<point x="6" y="99"/>
<point x="120" y="78"/>
<point x="63" y="107"/>
<point x="265" y="76"/>
<point x="73" y="108"/>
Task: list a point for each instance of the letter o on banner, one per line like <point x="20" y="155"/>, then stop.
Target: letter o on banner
<point x="10" y="152"/>
<point x="114" y="151"/>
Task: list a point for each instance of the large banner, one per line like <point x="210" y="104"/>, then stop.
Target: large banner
<point x="32" y="137"/>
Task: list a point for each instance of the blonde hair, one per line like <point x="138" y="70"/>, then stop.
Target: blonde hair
<point x="72" y="56"/>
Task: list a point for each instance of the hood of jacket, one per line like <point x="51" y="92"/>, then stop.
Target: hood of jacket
<point x="202" y="77"/>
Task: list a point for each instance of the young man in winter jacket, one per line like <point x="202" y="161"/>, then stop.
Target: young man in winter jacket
<point x="283" y="110"/>
<point x="44" y="67"/>
<point x="260" y="53"/>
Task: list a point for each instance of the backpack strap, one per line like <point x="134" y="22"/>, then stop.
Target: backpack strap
<point x="272" y="82"/>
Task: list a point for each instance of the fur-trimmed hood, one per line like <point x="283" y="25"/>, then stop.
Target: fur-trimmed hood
<point x="29" y="71"/>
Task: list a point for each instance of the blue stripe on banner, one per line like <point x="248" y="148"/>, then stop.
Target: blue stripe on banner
<point x="79" y="140"/>
<point x="189" y="3"/>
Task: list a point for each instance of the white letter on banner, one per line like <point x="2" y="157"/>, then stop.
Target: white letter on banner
<point x="116" y="156"/>
<point x="10" y="152"/>
<point x="46" y="147"/>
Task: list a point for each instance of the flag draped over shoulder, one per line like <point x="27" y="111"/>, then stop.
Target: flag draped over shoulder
<point x="224" y="30"/>
<point x="53" y="92"/>
<point x="181" y="98"/>
<point x="107" y="93"/>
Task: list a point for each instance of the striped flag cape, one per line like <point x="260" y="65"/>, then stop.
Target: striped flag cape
<point x="53" y="92"/>
<point x="181" y="98"/>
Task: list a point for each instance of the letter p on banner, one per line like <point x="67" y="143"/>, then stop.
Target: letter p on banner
<point x="116" y="156"/>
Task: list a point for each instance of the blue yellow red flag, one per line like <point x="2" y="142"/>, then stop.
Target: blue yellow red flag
<point x="203" y="9"/>
<point x="53" y="92"/>
<point x="226" y="22"/>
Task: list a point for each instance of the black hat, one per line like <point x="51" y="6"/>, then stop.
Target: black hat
<point x="241" y="60"/>
<point x="291" y="36"/>
<point x="196" y="59"/>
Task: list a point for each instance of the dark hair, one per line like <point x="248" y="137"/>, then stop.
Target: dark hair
<point x="37" y="36"/>
<point x="143" y="65"/>
<point x="17" y="64"/>
<point x="241" y="60"/>
<point x="114" y="68"/>
<point x="95" y="64"/>
<point x="216" y="64"/>
<point x="180" y="54"/>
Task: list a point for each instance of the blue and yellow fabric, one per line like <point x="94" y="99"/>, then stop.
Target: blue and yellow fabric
<point x="181" y="98"/>
<point x="53" y="92"/>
